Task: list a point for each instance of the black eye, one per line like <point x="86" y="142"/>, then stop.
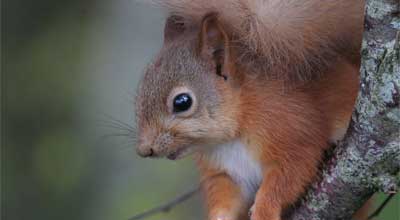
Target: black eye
<point x="182" y="102"/>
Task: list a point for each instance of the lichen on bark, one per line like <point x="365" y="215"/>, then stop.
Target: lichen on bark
<point x="368" y="159"/>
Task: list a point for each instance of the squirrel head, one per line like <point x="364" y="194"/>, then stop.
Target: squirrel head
<point x="188" y="98"/>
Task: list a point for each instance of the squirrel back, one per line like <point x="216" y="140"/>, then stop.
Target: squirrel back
<point x="285" y="39"/>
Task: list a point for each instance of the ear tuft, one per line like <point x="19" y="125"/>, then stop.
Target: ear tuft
<point x="174" y="26"/>
<point x="212" y="35"/>
<point x="214" y="43"/>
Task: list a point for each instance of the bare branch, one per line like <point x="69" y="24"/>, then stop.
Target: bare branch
<point x="381" y="207"/>
<point x="167" y="206"/>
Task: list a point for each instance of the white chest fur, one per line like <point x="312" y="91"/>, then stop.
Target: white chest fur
<point x="239" y="164"/>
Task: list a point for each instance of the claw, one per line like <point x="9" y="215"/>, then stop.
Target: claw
<point x="251" y="211"/>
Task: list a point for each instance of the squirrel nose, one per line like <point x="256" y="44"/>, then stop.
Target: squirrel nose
<point x="145" y="152"/>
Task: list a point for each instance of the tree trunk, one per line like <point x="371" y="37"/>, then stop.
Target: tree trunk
<point x="368" y="159"/>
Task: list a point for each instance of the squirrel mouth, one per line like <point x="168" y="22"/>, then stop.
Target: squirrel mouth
<point x="180" y="153"/>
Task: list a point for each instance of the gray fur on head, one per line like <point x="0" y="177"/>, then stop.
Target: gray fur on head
<point x="176" y="65"/>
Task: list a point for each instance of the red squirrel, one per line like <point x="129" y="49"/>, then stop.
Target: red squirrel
<point x="256" y="91"/>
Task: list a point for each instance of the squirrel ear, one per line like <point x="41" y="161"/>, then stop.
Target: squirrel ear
<point x="174" y="26"/>
<point x="214" y="43"/>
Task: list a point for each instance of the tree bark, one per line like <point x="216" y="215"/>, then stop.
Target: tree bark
<point x="368" y="159"/>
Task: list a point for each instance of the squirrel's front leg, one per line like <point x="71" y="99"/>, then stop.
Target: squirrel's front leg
<point x="281" y="186"/>
<point x="223" y="197"/>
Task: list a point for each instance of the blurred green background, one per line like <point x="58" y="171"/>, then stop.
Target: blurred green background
<point x="69" y="72"/>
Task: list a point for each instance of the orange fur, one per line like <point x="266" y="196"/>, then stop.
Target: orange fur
<point x="270" y="115"/>
<point x="224" y="199"/>
<point x="364" y="211"/>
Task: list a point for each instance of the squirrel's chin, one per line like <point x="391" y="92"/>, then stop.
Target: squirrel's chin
<point x="181" y="153"/>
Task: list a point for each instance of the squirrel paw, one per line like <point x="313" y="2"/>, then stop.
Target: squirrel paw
<point x="261" y="214"/>
<point x="221" y="216"/>
<point x="251" y="211"/>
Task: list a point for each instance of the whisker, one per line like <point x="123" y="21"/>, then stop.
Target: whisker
<point x="119" y="129"/>
<point x="124" y="123"/>
<point x="119" y="122"/>
<point x="118" y="135"/>
<point x="115" y="126"/>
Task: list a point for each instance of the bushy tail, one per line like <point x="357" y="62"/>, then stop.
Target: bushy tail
<point x="296" y="38"/>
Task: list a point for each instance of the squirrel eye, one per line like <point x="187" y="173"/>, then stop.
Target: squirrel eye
<point x="182" y="102"/>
